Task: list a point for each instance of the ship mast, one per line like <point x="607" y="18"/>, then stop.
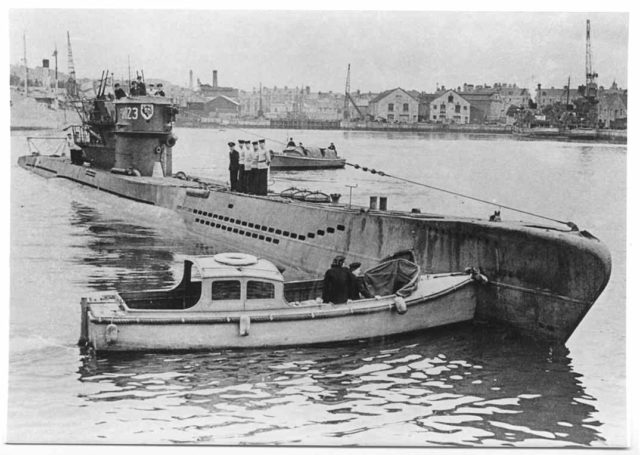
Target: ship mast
<point x="26" y="68"/>
<point x="55" y="55"/>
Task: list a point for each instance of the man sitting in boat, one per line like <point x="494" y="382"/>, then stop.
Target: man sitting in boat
<point x="291" y="143"/>
<point x="337" y="283"/>
<point x="358" y="288"/>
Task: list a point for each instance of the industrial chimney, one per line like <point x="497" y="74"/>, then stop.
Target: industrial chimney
<point x="214" y="83"/>
<point x="190" y="79"/>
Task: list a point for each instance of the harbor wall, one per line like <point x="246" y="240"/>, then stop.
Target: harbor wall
<point x="604" y="135"/>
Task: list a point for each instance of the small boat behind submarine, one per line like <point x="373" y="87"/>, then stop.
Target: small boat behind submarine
<point x="234" y="300"/>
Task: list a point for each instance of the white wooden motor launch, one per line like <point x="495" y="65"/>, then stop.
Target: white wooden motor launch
<point x="235" y="300"/>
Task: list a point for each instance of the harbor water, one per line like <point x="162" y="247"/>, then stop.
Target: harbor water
<point x="460" y="386"/>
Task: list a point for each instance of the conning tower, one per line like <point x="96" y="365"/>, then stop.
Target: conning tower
<point x="143" y="134"/>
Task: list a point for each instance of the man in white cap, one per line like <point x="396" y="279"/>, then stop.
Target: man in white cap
<point x="248" y="168"/>
<point x="264" y="161"/>
<point x="241" y="156"/>
<point x="255" y="172"/>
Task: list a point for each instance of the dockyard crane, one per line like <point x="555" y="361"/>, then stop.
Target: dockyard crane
<point x="72" y="85"/>
<point x="347" y="97"/>
<point x="591" y="88"/>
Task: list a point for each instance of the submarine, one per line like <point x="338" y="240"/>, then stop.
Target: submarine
<point x="541" y="280"/>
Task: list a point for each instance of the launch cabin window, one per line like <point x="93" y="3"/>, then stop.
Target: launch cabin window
<point x="260" y="290"/>
<point x="225" y="290"/>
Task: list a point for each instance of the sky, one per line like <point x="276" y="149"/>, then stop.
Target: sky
<point x="386" y="49"/>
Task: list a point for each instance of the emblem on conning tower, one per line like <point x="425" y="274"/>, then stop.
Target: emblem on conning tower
<point x="147" y="111"/>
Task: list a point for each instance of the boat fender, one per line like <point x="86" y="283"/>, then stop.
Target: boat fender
<point x="476" y="275"/>
<point x="180" y="175"/>
<point x="245" y="322"/>
<point x="134" y="171"/>
<point x="401" y="305"/>
<point x="111" y="334"/>
<point x="171" y="140"/>
<point x="236" y="259"/>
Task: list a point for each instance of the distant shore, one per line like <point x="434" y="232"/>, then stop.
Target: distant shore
<point x="611" y="136"/>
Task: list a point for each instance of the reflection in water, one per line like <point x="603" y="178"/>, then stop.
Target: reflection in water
<point x="462" y="386"/>
<point x="124" y="256"/>
<point x="454" y="386"/>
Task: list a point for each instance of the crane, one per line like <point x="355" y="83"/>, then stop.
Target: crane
<point x="591" y="89"/>
<point x="347" y="97"/>
<point x="72" y="86"/>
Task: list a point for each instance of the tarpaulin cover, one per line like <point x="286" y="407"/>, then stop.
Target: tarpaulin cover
<point x="397" y="276"/>
<point x="311" y="152"/>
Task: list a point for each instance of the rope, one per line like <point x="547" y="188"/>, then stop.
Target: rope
<point x="473" y="198"/>
<point x="261" y="136"/>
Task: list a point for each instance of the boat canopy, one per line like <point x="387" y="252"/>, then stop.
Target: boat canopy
<point x="234" y="265"/>
<point x="395" y="276"/>
<point x="311" y="152"/>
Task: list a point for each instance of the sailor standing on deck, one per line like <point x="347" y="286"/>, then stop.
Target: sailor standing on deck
<point x="119" y="93"/>
<point x="241" y="156"/>
<point x="142" y="88"/>
<point x="248" y="166"/>
<point x="255" y="172"/>
<point x="234" y="165"/>
<point x="264" y="161"/>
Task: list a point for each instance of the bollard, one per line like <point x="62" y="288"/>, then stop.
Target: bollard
<point x="373" y="202"/>
<point x="383" y="202"/>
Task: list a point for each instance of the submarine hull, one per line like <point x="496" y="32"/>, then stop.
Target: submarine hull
<point x="541" y="280"/>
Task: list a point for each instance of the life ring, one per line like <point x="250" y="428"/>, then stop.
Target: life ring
<point x="236" y="259"/>
<point x="171" y="140"/>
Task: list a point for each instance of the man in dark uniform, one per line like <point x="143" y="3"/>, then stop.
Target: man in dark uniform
<point x="241" y="178"/>
<point x="142" y="88"/>
<point x="133" y="89"/>
<point x="358" y="288"/>
<point x="234" y="165"/>
<point x="337" y="282"/>
<point x="118" y="92"/>
<point x="160" y="90"/>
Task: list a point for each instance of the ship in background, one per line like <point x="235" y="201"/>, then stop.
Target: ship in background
<point x="542" y="278"/>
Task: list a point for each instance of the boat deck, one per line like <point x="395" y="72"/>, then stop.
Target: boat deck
<point x="106" y="307"/>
